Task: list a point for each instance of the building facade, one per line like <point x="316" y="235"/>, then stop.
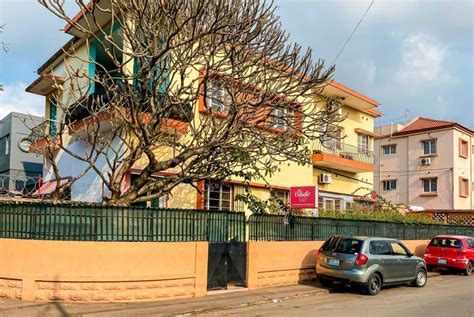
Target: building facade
<point x="341" y="166"/>
<point x="19" y="169"/>
<point x="426" y="163"/>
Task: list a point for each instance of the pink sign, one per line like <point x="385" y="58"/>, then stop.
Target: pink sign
<point x="304" y="197"/>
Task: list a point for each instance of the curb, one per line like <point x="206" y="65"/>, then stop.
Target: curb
<point x="254" y="303"/>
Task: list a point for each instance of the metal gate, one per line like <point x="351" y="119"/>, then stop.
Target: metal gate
<point x="226" y="265"/>
<point x="227" y="258"/>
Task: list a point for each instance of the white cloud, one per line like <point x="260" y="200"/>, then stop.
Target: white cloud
<point x="15" y="98"/>
<point x="421" y="60"/>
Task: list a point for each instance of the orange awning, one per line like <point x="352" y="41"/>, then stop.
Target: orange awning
<point x="50" y="186"/>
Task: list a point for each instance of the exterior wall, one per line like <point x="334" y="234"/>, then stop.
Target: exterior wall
<point x="18" y="164"/>
<point x="102" y="271"/>
<point x="405" y="167"/>
<point x="285" y="263"/>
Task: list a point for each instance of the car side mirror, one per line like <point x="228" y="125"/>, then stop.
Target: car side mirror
<point x="410" y="254"/>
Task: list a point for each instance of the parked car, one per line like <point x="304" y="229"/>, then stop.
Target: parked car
<point x="447" y="251"/>
<point x="370" y="262"/>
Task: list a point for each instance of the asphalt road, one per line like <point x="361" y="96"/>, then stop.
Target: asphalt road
<point x="445" y="295"/>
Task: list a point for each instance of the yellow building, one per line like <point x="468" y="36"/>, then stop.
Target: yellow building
<point x="341" y="167"/>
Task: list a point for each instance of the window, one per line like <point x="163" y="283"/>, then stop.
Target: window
<point x="463" y="187"/>
<point x="463" y="148"/>
<point x="7" y="146"/>
<point x="389" y="149"/>
<point x="348" y="205"/>
<point x="218" y="196"/>
<point x="332" y="137"/>
<point x="52" y="118"/>
<point x="328" y="203"/>
<point x="280" y="198"/>
<point x="430" y="185"/>
<point x="282" y="118"/>
<point x="363" y="143"/>
<point x="470" y="243"/>
<point x="379" y="248"/>
<point x="389" y="185"/>
<point x="342" y="245"/>
<point x="429" y="147"/>
<point x="217" y="98"/>
<point x="398" y="249"/>
<point x="446" y="243"/>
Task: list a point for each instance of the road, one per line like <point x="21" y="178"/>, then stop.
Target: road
<point x="445" y="295"/>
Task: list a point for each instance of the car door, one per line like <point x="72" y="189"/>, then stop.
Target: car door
<point x="381" y="254"/>
<point x="470" y="249"/>
<point x="405" y="264"/>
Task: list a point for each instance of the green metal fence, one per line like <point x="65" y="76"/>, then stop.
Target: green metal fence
<point x="281" y="228"/>
<point x="94" y="223"/>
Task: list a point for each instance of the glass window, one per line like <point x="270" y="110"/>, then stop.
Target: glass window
<point x="379" y="248"/>
<point x="218" y="98"/>
<point x="463" y="148"/>
<point x="470" y="243"/>
<point x="464" y="187"/>
<point x="218" y="196"/>
<point x="363" y="143"/>
<point x="430" y="185"/>
<point x="398" y="249"/>
<point x="342" y="245"/>
<point x="389" y="185"/>
<point x="390" y="149"/>
<point x="280" y="198"/>
<point x="429" y="147"/>
<point x="446" y="243"/>
<point x="282" y="118"/>
<point x="7" y="146"/>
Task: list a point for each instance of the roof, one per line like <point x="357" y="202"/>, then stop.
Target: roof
<point x="420" y="124"/>
<point x="353" y="92"/>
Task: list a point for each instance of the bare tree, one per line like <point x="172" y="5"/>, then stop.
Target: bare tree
<point x="187" y="90"/>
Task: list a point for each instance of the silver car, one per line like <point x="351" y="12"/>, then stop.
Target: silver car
<point x="370" y="262"/>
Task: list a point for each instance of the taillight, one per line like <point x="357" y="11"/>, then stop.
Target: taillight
<point x="462" y="252"/>
<point x="361" y="259"/>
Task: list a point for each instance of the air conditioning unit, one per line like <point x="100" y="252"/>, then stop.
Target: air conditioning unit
<point x="425" y="161"/>
<point x="325" y="178"/>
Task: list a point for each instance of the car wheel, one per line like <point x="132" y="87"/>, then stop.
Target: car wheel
<point x="325" y="281"/>
<point x="420" y="278"/>
<point x="374" y="284"/>
<point x="468" y="269"/>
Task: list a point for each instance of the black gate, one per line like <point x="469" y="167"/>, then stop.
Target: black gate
<point x="227" y="265"/>
<point x="227" y="250"/>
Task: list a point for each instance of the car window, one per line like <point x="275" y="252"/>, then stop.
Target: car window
<point x="343" y="245"/>
<point x="470" y="243"/>
<point x="446" y="243"/>
<point x="398" y="249"/>
<point x="379" y="248"/>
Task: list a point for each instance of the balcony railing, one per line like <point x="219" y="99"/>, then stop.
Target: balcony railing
<point x="344" y="150"/>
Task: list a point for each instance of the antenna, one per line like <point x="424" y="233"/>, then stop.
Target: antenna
<point x="406" y="115"/>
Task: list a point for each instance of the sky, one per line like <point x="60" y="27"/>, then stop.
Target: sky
<point x="416" y="57"/>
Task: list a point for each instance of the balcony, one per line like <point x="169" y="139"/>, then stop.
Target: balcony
<point x="344" y="157"/>
<point x="83" y="115"/>
<point x="38" y="137"/>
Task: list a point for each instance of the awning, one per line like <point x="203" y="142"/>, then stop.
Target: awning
<point x="44" y="84"/>
<point x="366" y="132"/>
<point x="50" y="186"/>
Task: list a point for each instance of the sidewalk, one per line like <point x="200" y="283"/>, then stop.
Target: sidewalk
<point x="188" y="306"/>
<point x="216" y="301"/>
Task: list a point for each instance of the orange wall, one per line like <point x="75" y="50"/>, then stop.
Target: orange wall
<point x="102" y="271"/>
<point x="285" y="263"/>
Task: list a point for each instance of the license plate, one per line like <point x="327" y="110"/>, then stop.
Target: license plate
<point x="333" y="262"/>
<point x="442" y="261"/>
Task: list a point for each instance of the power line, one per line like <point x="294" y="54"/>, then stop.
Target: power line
<point x="353" y="31"/>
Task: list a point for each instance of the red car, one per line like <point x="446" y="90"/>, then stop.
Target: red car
<point x="456" y="252"/>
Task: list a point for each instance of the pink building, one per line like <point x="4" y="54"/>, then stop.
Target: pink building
<point x="427" y="163"/>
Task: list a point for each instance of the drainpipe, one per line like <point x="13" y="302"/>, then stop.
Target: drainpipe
<point x="452" y="188"/>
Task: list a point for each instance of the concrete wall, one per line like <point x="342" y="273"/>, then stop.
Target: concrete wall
<point x="285" y="263"/>
<point x="102" y="271"/>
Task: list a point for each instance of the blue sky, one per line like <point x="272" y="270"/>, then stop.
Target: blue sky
<point x="409" y="55"/>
